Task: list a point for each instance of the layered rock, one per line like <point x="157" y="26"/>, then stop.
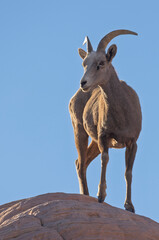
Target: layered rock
<point x="58" y="216"/>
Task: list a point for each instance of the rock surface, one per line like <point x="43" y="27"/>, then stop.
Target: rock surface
<point x="59" y="216"/>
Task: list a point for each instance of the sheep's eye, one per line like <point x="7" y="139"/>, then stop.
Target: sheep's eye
<point x="101" y="63"/>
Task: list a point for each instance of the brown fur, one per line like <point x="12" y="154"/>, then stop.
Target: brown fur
<point x="107" y="110"/>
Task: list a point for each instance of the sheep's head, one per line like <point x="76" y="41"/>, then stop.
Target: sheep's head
<point x="96" y="63"/>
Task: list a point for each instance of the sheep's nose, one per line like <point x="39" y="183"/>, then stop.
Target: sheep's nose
<point x="83" y="83"/>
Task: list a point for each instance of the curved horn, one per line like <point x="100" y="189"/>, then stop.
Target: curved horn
<point x="107" y="38"/>
<point x="89" y="46"/>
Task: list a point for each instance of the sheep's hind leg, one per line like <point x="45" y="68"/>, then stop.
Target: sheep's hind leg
<point x="129" y="160"/>
<point x="92" y="152"/>
<point x="81" y="141"/>
<point x="104" y="161"/>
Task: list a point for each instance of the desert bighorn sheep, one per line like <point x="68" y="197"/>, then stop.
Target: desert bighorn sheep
<point x="107" y="110"/>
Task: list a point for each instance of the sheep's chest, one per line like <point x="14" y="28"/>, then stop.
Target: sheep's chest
<point x="91" y="116"/>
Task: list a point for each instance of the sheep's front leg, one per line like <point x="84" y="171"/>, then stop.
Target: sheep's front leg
<point x="129" y="160"/>
<point x="81" y="141"/>
<point x="104" y="161"/>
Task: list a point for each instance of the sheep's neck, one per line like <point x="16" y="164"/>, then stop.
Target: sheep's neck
<point x="112" y="85"/>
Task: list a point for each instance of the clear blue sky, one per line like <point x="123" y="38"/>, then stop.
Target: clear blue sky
<point x="40" y="70"/>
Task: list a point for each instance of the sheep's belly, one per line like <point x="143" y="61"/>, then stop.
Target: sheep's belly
<point x="92" y="132"/>
<point x="114" y="144"/>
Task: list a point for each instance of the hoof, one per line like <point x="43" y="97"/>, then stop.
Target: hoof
<point x="129" y="207"/>
<point x="101" y="199"/>
<point x="101" y="192"/>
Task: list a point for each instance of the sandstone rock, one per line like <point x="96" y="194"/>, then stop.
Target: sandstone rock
<point x="58" y="216"/>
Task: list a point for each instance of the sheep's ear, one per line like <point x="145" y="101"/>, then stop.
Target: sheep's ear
<point x="111" y="52"/>
<point x="82" y="53"/>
